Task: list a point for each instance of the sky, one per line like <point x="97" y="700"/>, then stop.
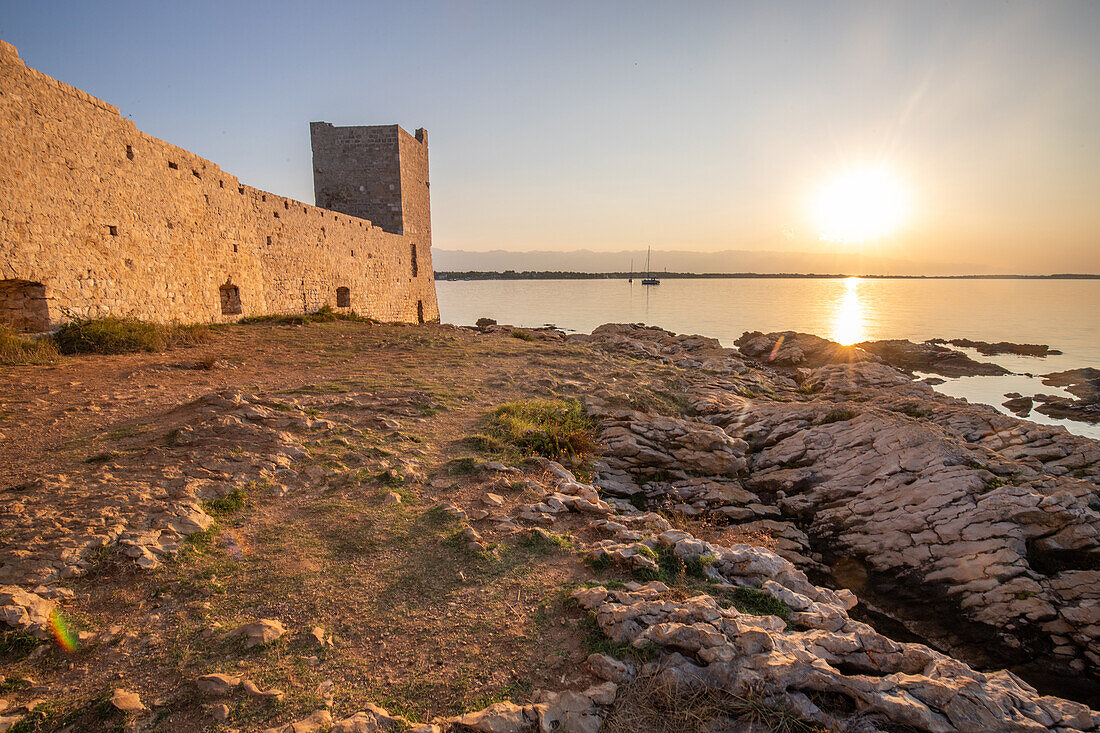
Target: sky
<point x="608" y="126"/>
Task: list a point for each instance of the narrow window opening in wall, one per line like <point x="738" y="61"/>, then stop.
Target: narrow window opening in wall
<point x="264" y="197"/>
<point x="286" y="205"/>
<point x="129" y="152"/>
<point x="112" y="230"/>
<point x="206" y="197"/>
<point x="322" y="231"/>
<point x="420" y="311"/>
<point x="269" y="241"/>
<point x="230" y="299"/>
<point x="240" y="189"/>
<point x="343" y="298"/>
<point x="221" y="184"/>
<point x="195" y="173"/>
<point x="234" y="248"/>
<point x="276" y="214"/>
<point x="173" y="166"/>
<point x="415" y="264"/>
<point x="23" y="306"/>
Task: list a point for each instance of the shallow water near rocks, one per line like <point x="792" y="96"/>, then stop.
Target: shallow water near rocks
<point x="1060" y="313"/>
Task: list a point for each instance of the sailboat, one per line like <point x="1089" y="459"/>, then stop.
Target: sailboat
<point x="649" y="279"/>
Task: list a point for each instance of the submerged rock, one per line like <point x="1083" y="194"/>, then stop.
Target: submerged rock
<point x="929" y="357"/>
<point x="1084" y="384"/>
<point x="1001" y="347"/>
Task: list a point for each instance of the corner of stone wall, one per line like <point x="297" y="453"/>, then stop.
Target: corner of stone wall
<point x="9" y="53"/>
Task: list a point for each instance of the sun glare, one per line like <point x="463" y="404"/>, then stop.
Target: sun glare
<point x="848" y="326"/>
<point x="860" y="204"/>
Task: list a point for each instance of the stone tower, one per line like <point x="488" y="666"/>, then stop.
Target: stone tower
<point x="375" y="172"/>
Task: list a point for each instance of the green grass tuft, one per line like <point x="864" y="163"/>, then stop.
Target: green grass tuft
<point x="545" y="542"/>
<point x="17" y="645"/>
<point x="125" y="335"/>
<point x="549" y="428"/>
<point x="758" y="603"/>
<point x="234" y="501"/>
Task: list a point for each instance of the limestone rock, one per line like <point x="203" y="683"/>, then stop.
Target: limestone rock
<point x="503" y="717"/>
<point x="263" y="631"/>
<point x="371" y="720"/>
<point x="318" y="721"/>
<point x="24" y="610"/>
<point x="215" y="685"/>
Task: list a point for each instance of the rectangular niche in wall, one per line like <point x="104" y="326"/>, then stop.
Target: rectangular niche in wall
<point x="231" y="300"/>
<point x="415" y="265"/>
<point x="23" y="306"/>
<point x="343" y="298"/>
<point x="420" y="311"/>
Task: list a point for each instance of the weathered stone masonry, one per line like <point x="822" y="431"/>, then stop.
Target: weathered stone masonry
<point x="98" y="218"/>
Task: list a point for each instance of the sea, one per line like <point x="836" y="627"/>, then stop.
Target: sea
<point x="1064" y="314"/>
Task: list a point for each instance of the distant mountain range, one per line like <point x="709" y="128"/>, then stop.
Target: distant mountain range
<point x="728" y="261"/>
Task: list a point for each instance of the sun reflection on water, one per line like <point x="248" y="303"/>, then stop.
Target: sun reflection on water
<point x="848" y="325"/>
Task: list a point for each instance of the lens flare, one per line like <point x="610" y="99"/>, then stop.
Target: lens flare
<point x="63" y="632"/>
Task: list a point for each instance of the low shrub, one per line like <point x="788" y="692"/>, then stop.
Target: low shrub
<point x="840" y="414"/>
<point x="548" y="428"/>
<point x="113" y="335"/>
<point x="17" y="350"/>
<point x="325" y="315"/>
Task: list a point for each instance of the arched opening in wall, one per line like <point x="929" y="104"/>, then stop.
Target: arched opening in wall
<point x="420" y="311"/>
<point x="231" y="299"/>
<point x="23" y="305"/>
<point x="343" y="298"/>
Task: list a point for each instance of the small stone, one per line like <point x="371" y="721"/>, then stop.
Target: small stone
<point x="127" y="702"/>
<point x="220" y="712"/>
<point x="493" y="499"/>
<point x="391" y="497"/>
<point x="264" y="631"/>
<point x="318" y="638"/>
<point x="217" y="684"/>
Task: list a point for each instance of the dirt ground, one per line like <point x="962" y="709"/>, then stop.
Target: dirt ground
<point x="421" y="624"/>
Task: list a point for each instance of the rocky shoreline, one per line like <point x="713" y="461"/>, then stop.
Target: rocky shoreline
<point x="932" y="565"/>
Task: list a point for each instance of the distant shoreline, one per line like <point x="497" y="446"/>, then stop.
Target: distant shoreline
<point x="454" y="275"/>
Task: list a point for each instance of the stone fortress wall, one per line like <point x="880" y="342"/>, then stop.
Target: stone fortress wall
<point x="98" y="218"/>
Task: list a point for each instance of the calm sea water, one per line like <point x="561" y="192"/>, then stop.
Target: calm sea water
<point x="1061" y="313"/>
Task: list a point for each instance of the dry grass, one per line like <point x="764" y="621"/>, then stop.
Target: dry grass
<point x="17" y="350"/>
<point x="126" y="335"/>
<point x="657" y="704"/>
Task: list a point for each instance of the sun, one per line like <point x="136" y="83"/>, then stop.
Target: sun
<point x="861" y="204"/>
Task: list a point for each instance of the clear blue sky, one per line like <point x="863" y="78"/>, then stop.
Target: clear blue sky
<point x="599" y="125"/>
